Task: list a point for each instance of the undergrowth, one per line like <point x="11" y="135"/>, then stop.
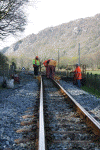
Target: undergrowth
<point x="91" y="91"/>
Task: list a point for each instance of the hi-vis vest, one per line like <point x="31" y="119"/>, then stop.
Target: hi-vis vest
<point x="78" y="74"/>
<point x="37" y="62"/>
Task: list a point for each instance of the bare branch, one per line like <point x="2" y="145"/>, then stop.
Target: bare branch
<point x="12" y="19"/>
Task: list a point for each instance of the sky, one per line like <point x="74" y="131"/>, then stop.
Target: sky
<point x="42" y="14"/>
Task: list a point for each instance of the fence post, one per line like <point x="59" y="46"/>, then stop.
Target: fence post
<point x="95" y="79"/>
<point x="87" y="79"/>
<point x="91" y="80"/>
<point x="91" y="75"/>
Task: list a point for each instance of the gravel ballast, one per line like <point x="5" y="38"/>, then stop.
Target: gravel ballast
<point x="13" y="105"/>
<point x="15" y="102"/>
<point x="90" y="102"/>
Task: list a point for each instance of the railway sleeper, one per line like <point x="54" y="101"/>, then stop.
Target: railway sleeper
<point x="64" y="129"/>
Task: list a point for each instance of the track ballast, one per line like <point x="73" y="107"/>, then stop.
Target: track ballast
<point x="63" y="127"/>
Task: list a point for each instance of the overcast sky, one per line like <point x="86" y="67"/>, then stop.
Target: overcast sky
<point x="46" y="13"/>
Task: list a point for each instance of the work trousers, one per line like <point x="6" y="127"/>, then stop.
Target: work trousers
<point x="36" y="70"/>
<point x="46" y="69"/>
<point x="79" y="83"/>
<point x="50" y="71"/>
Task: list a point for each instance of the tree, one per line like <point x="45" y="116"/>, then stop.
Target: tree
<point x="3" y="65"/>
<point x="3" y="60"/>
<point x="12" y="18"/>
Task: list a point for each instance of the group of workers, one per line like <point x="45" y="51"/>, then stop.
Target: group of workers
<point x="50" y="65"/>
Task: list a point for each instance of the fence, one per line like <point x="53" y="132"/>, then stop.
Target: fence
<point x="93" y="81"/>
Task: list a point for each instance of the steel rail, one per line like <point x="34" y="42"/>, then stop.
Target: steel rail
<point x="91" y="122"/>
<point x="41" y="145"/>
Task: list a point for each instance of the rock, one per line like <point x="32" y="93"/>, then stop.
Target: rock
<point x="7" y="142"/>
<point x="10" y="83"/>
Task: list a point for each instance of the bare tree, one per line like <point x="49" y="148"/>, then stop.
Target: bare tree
<point x="12" y="18"/>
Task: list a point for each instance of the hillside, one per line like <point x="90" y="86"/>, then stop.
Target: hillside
<point x="64" y="38"/>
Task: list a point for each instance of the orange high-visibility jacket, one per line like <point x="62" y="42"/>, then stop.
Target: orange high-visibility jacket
<point x="45" y="63"/>
<point x="78" y="74"/>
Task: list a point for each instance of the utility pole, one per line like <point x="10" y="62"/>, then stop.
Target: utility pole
<point x="79" y="54"/>
<point x="58" y="59"/>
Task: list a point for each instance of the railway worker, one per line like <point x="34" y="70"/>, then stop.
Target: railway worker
<point x="51" y="68"/>
<point x="46" y="65"/>
<point x="78" y="75"/>
<point x="36" y="64"/>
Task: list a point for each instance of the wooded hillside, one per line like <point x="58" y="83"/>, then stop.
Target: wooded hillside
<point x="64" y="38"/>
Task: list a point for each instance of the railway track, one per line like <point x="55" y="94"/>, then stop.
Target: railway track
<point x="61" y="125"/>
<point x="58" y="122"/>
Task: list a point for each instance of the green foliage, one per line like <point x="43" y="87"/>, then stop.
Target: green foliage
<point x="3" y="60"/>
<point x="98" y="67"/>
<point x="3" y="65"/>
<point x="21" y="61"/>
<point x="93" y="82"/>
<point x="91" y="91"/>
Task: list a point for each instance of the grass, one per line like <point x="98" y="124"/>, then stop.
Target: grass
<point x="91" y="91"/>
<point x="85" y="88"/>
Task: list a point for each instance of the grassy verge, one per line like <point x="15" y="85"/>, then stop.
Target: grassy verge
<point x="91" y="91"/>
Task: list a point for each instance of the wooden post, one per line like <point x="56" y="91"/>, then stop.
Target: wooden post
<point x="95" y="79"/>
<point x="58" y="59"/>
<point x="87" y="79"/>
<point x="79" y="53"/>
